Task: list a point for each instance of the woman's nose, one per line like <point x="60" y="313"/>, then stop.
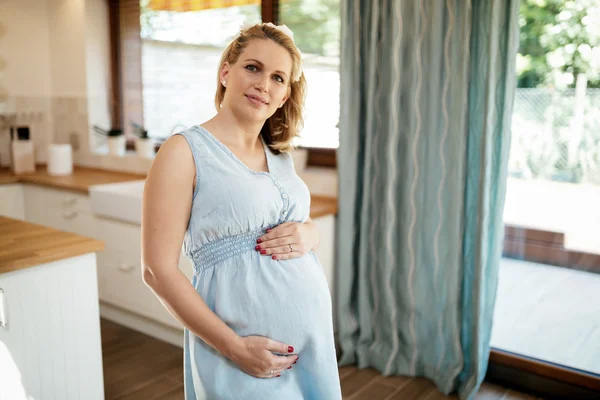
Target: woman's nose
<point x="262" y="83"/>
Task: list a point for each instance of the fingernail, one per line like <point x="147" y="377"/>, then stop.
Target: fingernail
<point x="295" y="362"/>
<point x="274" y="257"/>
<point x="290" y="367"/>
<point x="269" y="230"/>
<point x="258" y="240"/>
<point x="263" y="252"/>
<point x="277" y="376"/>
<point x="257" y="247"/>
<point x="290" y="349"/>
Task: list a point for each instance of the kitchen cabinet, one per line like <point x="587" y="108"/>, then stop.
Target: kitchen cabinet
<point x="11" y="201"/>
<point x="120" y="281"/>
<point x="49" y="321"/>
<point x="60" y="209"/>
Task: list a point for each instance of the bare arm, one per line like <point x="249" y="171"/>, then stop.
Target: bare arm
<point x="166" y="206"/>
<point x="166" y="209"/>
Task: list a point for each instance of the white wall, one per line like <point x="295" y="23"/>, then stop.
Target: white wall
<point x="97" y="34"/>
<point x="58" y="70"/>
<point x="26" y="77"/>
<point x="66" y="22"/>
<point x="24" y="47"/>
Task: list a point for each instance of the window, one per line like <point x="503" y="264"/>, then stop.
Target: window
<point x="547" y="303"/>
<point x="180" y="57"/>
<point x="166" y="64"/>
<point x="316" y="27"/>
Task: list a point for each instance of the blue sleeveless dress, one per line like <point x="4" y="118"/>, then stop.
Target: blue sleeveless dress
<point x="286" y="300"/>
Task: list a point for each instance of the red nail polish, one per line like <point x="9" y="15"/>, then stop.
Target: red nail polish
<point x="257" y="247"/>
<point x="295" y="362"/>
<point x="290" y="349"/>
<point x="263" y="252"/>
<point x="278" y="376"/>
<point x="269" y="230"/>
<point x="258" y="240"/>
<point x="274" y="257"/>
<point x="290" y="367"/>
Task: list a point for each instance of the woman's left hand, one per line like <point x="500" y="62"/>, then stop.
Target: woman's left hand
<point x="288" y="240"/>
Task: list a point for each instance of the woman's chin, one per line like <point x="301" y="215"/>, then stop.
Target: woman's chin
<point x="256" y="116"/>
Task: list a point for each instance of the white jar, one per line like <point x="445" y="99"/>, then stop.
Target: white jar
<point x="144" y="147"/>
<point x="60" y="159"/>
<point x="116" y="145"/>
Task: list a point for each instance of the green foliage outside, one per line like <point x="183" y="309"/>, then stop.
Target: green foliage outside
<point x="555" y="136"/>
<point x="559" y="39"/>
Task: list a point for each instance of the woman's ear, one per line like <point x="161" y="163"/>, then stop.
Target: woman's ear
<point x="287" y="96"/>
<point x="224" y="73"/>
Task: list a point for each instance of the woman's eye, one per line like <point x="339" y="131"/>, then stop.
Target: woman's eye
<point x="278" y="78"/>
<point x="251" y="68"/>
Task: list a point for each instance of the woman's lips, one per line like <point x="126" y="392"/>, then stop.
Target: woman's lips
<point x="256" y="100"/>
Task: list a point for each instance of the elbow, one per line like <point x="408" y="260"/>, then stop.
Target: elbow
<point x="148" y="277"/>
<point x="156" y="278"/>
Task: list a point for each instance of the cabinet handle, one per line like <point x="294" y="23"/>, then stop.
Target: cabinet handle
<point x="69" y="214"/>
<point x="3" y="317"/>
<point x="125" y="267"/>
<point x="69" y="200"/>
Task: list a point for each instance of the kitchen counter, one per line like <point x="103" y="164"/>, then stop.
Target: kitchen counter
<point x="82" y="178"/>
<point x="80" y="181"/>
<point x="322" y="205"/>
<point x="24" y="245"/>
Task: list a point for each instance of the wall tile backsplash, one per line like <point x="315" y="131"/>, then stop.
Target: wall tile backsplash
<point x="33" y="112"/>
<point x="70" y="117"/>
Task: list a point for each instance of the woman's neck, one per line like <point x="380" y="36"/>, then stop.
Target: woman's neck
<point x="230" y="129"/>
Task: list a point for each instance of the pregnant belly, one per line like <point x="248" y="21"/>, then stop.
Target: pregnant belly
<point x="287" y="301"/>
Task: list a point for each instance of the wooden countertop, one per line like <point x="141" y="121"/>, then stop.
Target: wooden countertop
<point x="80" y="181"/>
<point x="322" y="205"/>
<point x="23" y="245"/>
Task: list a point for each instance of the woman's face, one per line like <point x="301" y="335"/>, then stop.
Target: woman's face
<point x="257" y="84"/>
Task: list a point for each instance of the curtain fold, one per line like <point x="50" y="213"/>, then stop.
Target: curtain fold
<point x="426" y="99"/>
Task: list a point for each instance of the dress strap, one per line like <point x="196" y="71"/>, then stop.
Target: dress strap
<point x="197" y="145"/>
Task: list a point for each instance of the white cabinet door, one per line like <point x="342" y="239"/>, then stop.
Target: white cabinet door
<point x="11" y="201"/>
<point x="119" y="272"/>
<point x="50" y="325"/>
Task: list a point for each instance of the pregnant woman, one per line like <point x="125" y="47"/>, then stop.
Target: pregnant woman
<point x="257" y="313"/>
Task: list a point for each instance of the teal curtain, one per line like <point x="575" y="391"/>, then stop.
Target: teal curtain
<point x="426" y="102"/>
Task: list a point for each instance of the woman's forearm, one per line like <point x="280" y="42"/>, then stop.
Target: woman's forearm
<point x="174" y="290"/>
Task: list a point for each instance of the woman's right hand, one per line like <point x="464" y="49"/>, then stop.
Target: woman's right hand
<point x="253" y="354"/>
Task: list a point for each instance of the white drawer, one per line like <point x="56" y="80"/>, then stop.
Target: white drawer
<point x="40" y="197"/>
<point x="12" y="203"/>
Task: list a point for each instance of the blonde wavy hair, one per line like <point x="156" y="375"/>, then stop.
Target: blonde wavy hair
<point x="286" y="123"/>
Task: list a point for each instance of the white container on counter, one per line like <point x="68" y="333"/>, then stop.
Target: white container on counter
<point x="116" y="145"/>
<point x="144" y="147"/>
<point x="22" y="156"/>
<point x="60" y="159"/>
